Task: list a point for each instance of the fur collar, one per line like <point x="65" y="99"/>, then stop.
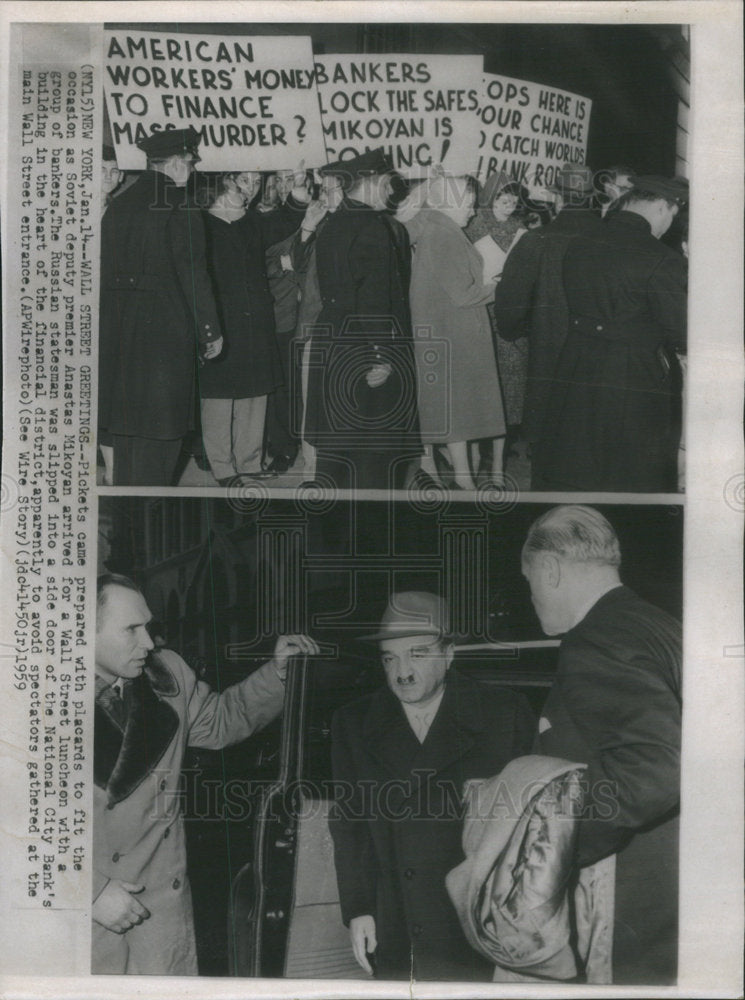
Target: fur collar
<point x="124" y="757"/>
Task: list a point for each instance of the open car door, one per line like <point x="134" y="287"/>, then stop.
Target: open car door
<point x="284" y="917"/>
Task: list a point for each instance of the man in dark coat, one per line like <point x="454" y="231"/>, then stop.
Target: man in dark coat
<point x="361" y="412"/>
<point x="611" y="413"/>
<point x="157" y="313"/>
<point x="529" y="300"/>
<point x="281" y="215"/>
<point x="330" y="196"/>
<point x="401" y="757"/>
<point x="616" y="706"/>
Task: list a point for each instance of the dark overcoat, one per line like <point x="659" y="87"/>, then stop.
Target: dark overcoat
<point x="612" y="408"/>
<point x="616" y="706"/>
<point x="529" y="301"/>
<point x="157" y="309"/>
<point x="281" y="221"/>
<point x="363" y="268"/>
<point x="249" y="363"/>
<point x="398" y="820"/>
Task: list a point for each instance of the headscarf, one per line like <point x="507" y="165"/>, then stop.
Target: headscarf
<point x="483" y="223"/>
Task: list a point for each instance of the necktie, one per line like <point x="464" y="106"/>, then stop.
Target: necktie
<point x="114" y="704"/>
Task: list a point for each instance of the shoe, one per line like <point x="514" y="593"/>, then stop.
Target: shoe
<point x="280" y="464"/>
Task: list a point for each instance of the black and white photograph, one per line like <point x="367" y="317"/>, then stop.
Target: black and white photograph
<point x="530" y="657"/>
<point x="371" y="512"/>
<point x="480" y="282"/>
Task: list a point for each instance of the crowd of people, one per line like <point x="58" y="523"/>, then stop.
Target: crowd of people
<point x="396" y="334"/>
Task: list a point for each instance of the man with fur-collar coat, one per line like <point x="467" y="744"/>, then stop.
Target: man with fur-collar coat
<point x="149" y="707"/>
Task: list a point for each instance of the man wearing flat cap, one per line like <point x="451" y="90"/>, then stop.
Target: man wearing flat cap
<point x="529" y="300"/>
<point x="401" y="757"/>
<point x="361" y="414"/>
<point x="612" y="407"/>
<point x="158" y="313"/>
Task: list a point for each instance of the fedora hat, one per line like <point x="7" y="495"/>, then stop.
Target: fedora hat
<point x="412" y="612"/>
<point x="573" y="179"/>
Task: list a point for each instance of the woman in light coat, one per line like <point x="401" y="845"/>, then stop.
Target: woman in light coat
<point x="458" y="386"/>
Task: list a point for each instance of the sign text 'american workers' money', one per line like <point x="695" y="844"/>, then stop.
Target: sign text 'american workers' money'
<point x="253" y="99"/>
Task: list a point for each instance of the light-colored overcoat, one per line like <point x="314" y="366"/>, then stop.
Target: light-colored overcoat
<point x="458" y="385"/>
<point x="138" y="832"/>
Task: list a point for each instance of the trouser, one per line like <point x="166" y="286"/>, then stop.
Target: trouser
<point x="141" y="461"/>
<point x="309" y="452"/>
<point x="284" y="404"/>
<point x="233" y="434"/>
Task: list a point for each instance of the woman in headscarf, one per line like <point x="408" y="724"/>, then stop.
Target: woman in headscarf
<point x="495" y="228"/>
<point x="458" y="386"/>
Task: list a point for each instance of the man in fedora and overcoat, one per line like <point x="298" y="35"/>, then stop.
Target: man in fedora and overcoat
<point x="158" y="313"/>
<point x="361" y="412"/>
<point x="401" y="757"/>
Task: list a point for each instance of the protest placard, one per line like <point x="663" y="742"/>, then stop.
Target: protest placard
<point x="252" y="98"/>
<point x="528" y="131"/>
<point x="421" y="109"/>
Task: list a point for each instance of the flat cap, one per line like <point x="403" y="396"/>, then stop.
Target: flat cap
<point x="170" y="142"/>
<point x="670" y="188"/>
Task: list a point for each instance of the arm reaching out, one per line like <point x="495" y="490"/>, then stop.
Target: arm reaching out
<point x="220" y="720"/>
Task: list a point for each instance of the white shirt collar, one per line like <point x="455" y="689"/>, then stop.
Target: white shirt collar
<point x="421" y="717"/>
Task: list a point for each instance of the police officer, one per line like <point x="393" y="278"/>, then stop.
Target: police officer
<point x="158" y="313"/>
